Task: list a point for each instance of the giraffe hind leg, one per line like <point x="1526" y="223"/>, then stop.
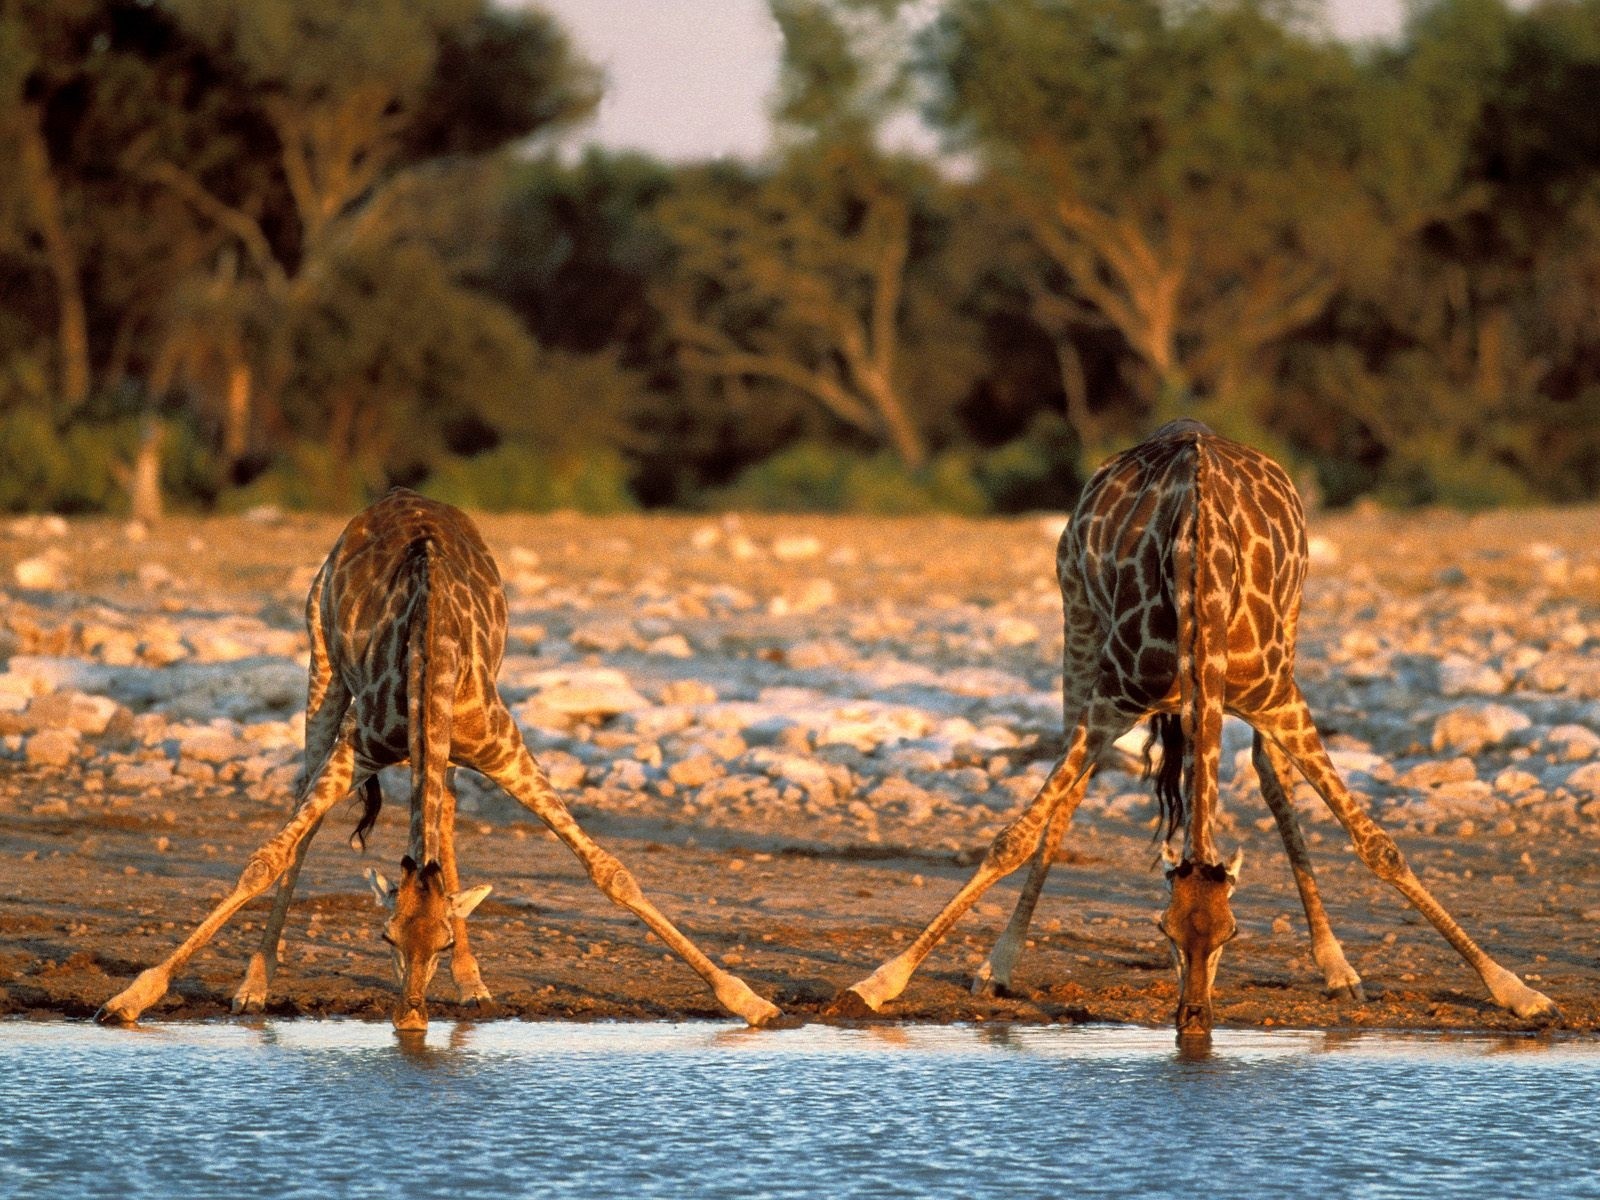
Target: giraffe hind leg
<point x="1276" y="774"/>
<point x="1291" y="727"/>
<point x="463" y="963"/>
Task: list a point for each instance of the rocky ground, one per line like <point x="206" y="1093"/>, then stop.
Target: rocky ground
<point x="799" y="733"/>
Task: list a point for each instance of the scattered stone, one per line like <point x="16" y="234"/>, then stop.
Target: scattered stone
<point x="1462" y="676"/>
<point x="599" y="692"/>
<point x="1473" y="728"/>
<point x="138" y="776"/>
<point x="1572" y="743"/>
<point x="688" y="693"/>
<point x="1436" y="774"/>
<point x="39" y="573"/>
<point x="606" y="637"/>
<point x="673" y="645"/>
<point x="52" y="747"/>
<point x="796" y="548"/>
<point x="695" y="771"/>
<point x="1584" y="782"/>
<point x="1015" y="631"/>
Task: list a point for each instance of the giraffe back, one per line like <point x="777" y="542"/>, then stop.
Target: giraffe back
<point x="364" y="602"/>
<point x="1128" y="554"/>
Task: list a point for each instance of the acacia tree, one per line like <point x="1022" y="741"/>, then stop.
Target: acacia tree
<point x="801" y="278"/>
<point x="1185" y="172"/>
<point x="357" y="121"/>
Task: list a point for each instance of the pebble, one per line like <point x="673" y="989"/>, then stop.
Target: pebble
<point x="52" y="747"/>
<point x="1471" y="729"/>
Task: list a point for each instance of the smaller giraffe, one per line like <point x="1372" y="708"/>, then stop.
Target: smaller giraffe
<point x="407" y="624"/>
<point x="1181" y="575"/>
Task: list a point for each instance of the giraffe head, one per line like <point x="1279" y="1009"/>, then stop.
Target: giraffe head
<point x="1199" y="923"/>
<point x="421" y="927"/>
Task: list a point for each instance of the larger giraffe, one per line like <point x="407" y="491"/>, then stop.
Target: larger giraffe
<point x="407" y="623"/>
<point x="1181" y="575"/>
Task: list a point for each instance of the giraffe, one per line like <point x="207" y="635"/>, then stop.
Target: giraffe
<point x="1181" y="576"/>
<point x="407" y="624"/>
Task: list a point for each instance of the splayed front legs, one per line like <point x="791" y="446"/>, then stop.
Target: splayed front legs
<point x="1009" y="850"/>
<point x="268" y="863"/>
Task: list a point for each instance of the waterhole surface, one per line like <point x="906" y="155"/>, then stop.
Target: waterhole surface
<point x="344" y="1108"/>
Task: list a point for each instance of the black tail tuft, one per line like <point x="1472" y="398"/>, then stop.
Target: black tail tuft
<point x="1167" y="728"/>
<point x="371" y="805"/>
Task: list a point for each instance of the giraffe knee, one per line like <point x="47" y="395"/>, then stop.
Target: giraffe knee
<point x="1011" y="848"/>
<point x="259" y="873"/>
<point x="1380" y="853"/>
<point x="614" y="879"/>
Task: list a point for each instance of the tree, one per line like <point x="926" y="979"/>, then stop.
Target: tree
<point x="1185" y="171"/>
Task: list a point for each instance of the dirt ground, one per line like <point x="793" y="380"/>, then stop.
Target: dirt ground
<point x="100" y="880"/>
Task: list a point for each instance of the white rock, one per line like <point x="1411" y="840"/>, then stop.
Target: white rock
<point x="142" y="775"/>
<point x="1015" y="631"/>
<point x="1321" y="550"/>
<point x="1462" y="676"/>
<point x="1584" y="782"/>
<point x="1437" y="774"/>
<point x="599" y="692"/>
<point x="607" y="637"/>
<point x="672" y="645"/>
<point x="1513" y="781"/>
<point x="1572" y="743"/>
<point x="816" y="595"/>
<point x="40" y="572"/>
<point x="1475" y="727"/>
<point x="795" y="548"/>
<point x="52" y="747"/>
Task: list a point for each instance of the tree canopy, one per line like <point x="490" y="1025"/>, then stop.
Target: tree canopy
<point x="297" y="252"/>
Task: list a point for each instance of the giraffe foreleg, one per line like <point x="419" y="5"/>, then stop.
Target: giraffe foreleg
<point x="264" y="867"/>
<point x="521" y="776"/>
<point x="994" y="976"/>
<point x="1276" y="774"/>
<point x="1293" y="730"/>
<point x="1009" y="850"/>
<point x="251" y="997"/>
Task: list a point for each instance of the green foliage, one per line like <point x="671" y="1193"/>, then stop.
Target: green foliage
<point x="814" y="477"/>
<point x="308" y="240"/>
<point x="1033" y="472"/>
<point x="44" y="468"/>
<point x="516" y="478"/>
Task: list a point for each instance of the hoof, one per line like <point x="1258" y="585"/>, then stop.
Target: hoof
<point x="248" y="1005"/>
<point x="1541" y="1010"/>
<point x="107" y="1015"/>
<point x="1348" y="991"/>
<point x="850" y="1005"/>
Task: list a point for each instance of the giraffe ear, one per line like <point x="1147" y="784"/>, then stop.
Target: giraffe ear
<point x="1233" y="865"/>
<point x="382" y="890"/>
<point x="462" y="903"/>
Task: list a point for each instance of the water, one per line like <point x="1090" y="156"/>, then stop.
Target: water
<point x="342" y="1108"/>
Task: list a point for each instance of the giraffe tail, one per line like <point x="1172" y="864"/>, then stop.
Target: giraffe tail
<point x="1203" y="576"/>
<point x="433" y="664"/>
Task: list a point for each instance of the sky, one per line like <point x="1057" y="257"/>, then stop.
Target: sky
<point x="690" y="79"/>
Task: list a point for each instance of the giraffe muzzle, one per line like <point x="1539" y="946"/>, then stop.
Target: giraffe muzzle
<point x="410" y="1017"/>
<point x="1194" y="1019"/>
